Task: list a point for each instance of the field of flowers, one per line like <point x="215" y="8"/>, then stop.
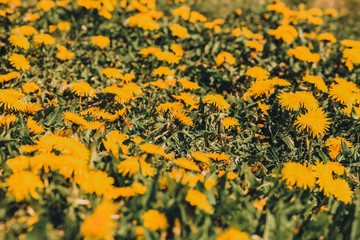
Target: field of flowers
<point x="134" y="119"/>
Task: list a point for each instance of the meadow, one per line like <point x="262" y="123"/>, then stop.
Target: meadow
<point x="138" y="119"/>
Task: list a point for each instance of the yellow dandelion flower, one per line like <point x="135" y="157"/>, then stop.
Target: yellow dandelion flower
<point x="304" y="54"/>
<point x="297" y="174"/>
<point x="258" y="73"/>
<point x="187" y="164"/>
<point x="218" y="101"/>
<point x="201" y="157"/>
<point x="280" y="82"/>
<point x="31" y="87"/>
<point x="97" y="182"/>
<point x="177" y="49"/>
<point x="317" y="81"/>
<point x="286" y="32"/>
<point x="34" y="127"/>
<point x="314" y="121"/>
<point x="122" y="192"/>
<point x="294" y="101"/>
<point x="19" y="41"/>
<point x="64" y="26"/>
<point x="63" y="53"/>
<point x="45" y="5"/>
<point x="122" y="95"/>
<point x="114" y="141"/>
<point x="225" y="57"/>
<point x="127" y="77"/>
<point x="25" y="30"/>
<point x="196" y="17"/>
<point x="186" y="84"/>
<point x="343" y="94"/>
<point x="154" y="220"/>
<point x="9" y="100"/>
<point x="324" y="177"/>
<point x="183" y="12"/>
<point x="263" y="107"/>
<point x="230" y="175"/>
<point x="326" y="37"/>
<point x="19" y="62"/>
<point x="229" y="122"/>
<point x="259" y="88"/>
<point x="31" y="108"/>
<point x="181" y="117"/>
<point x="255" y="45"/>
<point x="133" y="165"/>
<point x="152" y="149"/>
<point x="233" y="234"/>
<point x="145" y="52"/>
<point x="144" y="21"/>
<point x="164" y="107"/>
<point x="219" y="157"/>
<point x="99" y="225"/>
<point x="111" y="72"/>
<point x="187" y="99"/>
<point x="98" y="113"/>
<point x="179" y="31"/>
<point x="100" y="41"/>
<point x="23" y="184"/>
<point x="336" y="167"/>
<point x="19" y="163"/>
<point x="73" y="118"/>
<point x="341" y="190"/>
<point x="168" y="57"/>
<point x="9" y="76"/>
<point x="44" y="38"/>
<point x="82" y="89"/>
<point x="7" y="120"/>
<point x="196" y="198"/>
<point x="334" y="146"/>
<point x="166" y="71"/>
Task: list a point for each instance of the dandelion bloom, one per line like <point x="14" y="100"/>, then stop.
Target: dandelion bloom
<point x="263" y="107"/>
<point x="183" y="12"/>
<point x="229" y="122"/>
<point x="111" y="72"/>
<point x="344" y="94"/>
<point x="100" y="41"/>
<point x="179" y="31"/>
<point x="286" y="32"/>
<point x="255" y="45"/>
<point x="64" y="26"/>
<point x="196" y="198"/>
<point x="314" y="121"/>
<point x="225" y="57"/>
<point x="9" y="76"/>
<point x="97" y="182"/>
<point x="187" y="164"/>
<point x="154" y="220"/>
<point x="9" y="100"/>
<point x="187" y="99"/>
<point x="44" y="38"/>
<point x="133" y="165"/>
<point x="294" y="101"/>
<point x="25" y="30"/>
<point x="31" y="87"/>
<point x="304" y="54"/>
<point x="145" y="52"/>
<point x="7" y="120"/>
<point x="259" y="88"/>
<point x="63" y="53"/>
<point x="82" y="89"/>
<point x="114" y="140"/>
<point x="46" y="5"/>
<point x="201" y="157"/>
<point x="334" y="146"/>
<point x="258" y="73"/>
<point x="166" y="71"/>
<point x="71" y="117"/>
<point x="197" y="17"/>
<point x="341" y="190"/>
<point x="152" y="149"/>
<point x="19" y="62"/>
<point x="23" y="184"/>
<point x="34" y="127"/>
<point x="164" y="107"/>
<point x="144" y="21"/>
<point x="326" y="37"/>
<point x="233" y="234"/>
<point x="317" y="81"/>
<point x="31" y="108"/>
<point x="218" y="101"/>
<point x="181" y="117"/>
<point x="186" y="84"/>
<point x="297" y="174"/>
<point x="99" y="225"/>
<point x="19" y="41"/>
